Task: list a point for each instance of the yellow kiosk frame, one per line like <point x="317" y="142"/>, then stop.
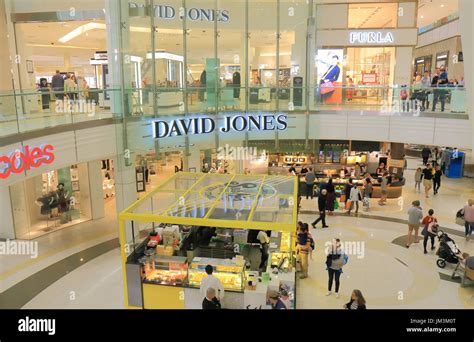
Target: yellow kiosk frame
<point x="174" y="200"/>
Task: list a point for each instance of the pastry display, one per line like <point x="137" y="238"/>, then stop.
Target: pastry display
<point x="226" y="270"/>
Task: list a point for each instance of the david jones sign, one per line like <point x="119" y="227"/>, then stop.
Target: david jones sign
<point x="204" y="124"/>
<point x="193" y="13"/>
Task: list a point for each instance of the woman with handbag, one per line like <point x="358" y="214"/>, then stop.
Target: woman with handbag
<point x="430" y="224"/>
<point x="335" y="260"/>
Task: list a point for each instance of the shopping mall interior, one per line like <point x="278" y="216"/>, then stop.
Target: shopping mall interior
<point x="294" y="147"/>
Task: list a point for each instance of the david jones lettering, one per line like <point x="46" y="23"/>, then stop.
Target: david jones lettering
<point x="204" y="125"/>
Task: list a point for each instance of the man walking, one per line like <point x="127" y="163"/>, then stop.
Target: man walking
<point x="322" y="201"/>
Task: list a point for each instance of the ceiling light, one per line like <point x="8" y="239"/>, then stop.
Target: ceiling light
<point x="64" y="46"/>
<point x="422" y="16"/>
<point x="442" y="5"/>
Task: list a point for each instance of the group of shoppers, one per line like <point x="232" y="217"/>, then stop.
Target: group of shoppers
<point x="416" y="220"/>
<point x="431" y="178"/>
<point x="69" y="86"/>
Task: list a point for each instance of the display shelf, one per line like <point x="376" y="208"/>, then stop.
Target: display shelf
<point x="227" y="271"/>
<point x="166" y="270"/>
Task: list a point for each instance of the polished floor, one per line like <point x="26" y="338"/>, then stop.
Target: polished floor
<point x="388" y="274"/>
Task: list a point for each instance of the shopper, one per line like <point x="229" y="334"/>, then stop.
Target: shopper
<point x="425" y="154"/>
<point x="303" y="250"/>
<point x="425" y="84"/>
<point x="211" y="281"/>
<point x="427" y="179"/>
<point x="468" y="212"/>
<point x="437" y="179"/>
<point x="427" y="231"/>
<point x="384" y="189"/>
<point x="368" y="189"/>
<point x="275" y="301"/>
<point x="418" y="178"/>
<point x="330" y="197"/>
<point x="355" y="197"/>
<point x="347" y="191"/>
<point x="211" y="302"/>
<point x="335" y="260"/>
<point x="309" y="179"/>
<point x="322" y="202"/>
<point x="357" y="170"/>
<point x="292" y="170"/>
<point x="381" y="169"/>
<point x="264" y="240"/>
<point x="415" y="215"/>
<point x="44" y="89"/>
<point x="357" y="301"/>
<point x="57" y="83"/>
<point x="70" y="88"/>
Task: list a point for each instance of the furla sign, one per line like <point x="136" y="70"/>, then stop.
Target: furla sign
<point x="371" y="37"/>
<point x="228" y="123"/>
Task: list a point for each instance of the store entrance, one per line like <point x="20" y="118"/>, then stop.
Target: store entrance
<point x="152" y="168"/>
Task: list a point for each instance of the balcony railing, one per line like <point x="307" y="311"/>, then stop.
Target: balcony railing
<point x="34" y="110"/>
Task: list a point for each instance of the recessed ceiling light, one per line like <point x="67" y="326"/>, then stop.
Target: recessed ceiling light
<point x="422" y="16"/>
<point x="442" y="5"/>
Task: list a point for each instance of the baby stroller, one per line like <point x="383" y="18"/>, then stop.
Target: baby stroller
<point x="448" y="251"/>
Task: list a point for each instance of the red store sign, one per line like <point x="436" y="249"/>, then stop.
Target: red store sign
<point x="25" y="159"/>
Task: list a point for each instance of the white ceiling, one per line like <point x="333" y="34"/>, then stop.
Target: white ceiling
<point x="430" y="11"/>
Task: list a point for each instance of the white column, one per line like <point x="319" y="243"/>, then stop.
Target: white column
<point x="7" y="227"/>
<point x="466" y="13"/>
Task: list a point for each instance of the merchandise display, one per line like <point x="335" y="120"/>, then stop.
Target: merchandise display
<point x="228" y="271"/>
<point x="166" y="270"/>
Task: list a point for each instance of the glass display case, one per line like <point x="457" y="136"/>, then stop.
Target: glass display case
<point x="281" y="260"/>
<point x="229" y="272"/>
<point x="165" y="270"/>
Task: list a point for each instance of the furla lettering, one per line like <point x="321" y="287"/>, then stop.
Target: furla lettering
<point x="37" y="325"/>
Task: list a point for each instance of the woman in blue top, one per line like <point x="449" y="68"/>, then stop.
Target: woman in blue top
<point x="334" y="262"/>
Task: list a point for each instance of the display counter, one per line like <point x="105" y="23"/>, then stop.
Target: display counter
<point x="228" y="271"/>
<point x="395" y="189"/>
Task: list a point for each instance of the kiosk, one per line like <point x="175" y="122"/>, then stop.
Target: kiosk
<point x="196" y="219"/>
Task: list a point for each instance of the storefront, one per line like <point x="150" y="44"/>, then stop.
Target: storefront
<point x="61" y="198"/>
<point x="197" y="219"/>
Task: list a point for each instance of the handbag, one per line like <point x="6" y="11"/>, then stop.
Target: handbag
<point x="336" y="204"/>
<point x="326" y="88"/>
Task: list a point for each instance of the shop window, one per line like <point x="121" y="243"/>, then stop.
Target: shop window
<point x="373" y="15"/>
<point x="51" y="201"/>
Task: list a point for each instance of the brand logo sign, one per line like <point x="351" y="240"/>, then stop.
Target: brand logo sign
<point x="205" y="125"/>
<point x="370" y="37"/>
<point x="25" y="159"/>
<point x="170" y="13"/>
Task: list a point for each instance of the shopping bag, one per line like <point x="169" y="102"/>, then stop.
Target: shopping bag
<point x="336" y="205"/>
<point x="326" y="88"/>
<point x="348" y="204"/>
<point x="342" y="199"/>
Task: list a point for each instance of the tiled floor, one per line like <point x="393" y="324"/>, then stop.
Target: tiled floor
<point x="389" y="275"/>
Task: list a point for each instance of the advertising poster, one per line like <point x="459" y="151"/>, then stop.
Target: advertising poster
<point x="329" y="63"/>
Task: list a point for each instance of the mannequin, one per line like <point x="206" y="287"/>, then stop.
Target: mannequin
<point x="236" y="84"/>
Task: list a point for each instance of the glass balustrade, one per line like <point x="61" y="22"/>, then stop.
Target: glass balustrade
<point x="34" y="110"/>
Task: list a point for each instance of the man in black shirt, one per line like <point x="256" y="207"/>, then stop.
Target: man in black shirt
<point x="425" y="154"/>
<point x="211" y="302"/>
<point x="437" y="179"/>
<point x="322" y="200"/>
<point x="427" y="177"/>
